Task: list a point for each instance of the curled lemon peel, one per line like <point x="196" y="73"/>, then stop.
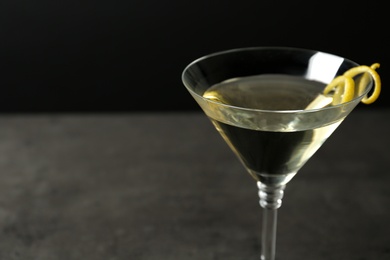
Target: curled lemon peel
<point x="344" y="89"/>
<point x="344" y="85"/>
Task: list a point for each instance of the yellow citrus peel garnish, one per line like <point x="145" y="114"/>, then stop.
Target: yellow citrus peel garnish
<point x="344" y="86"/>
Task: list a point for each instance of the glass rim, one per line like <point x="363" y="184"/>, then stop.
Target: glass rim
<point x="293" y="111"/>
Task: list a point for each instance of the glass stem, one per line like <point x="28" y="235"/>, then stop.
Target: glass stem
<point x="270" y="201"/>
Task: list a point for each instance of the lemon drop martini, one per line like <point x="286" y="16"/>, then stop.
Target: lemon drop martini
<point x="275" y="107"/>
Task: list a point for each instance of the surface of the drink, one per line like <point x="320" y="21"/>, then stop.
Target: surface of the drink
<point x="266" y="92"/>
<point x="270" y="156"/>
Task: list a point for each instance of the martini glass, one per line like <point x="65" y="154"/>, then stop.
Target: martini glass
<point x="266" y="103"/>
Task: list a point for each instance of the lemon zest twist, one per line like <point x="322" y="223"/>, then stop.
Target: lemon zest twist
<point x="344" y="86"/>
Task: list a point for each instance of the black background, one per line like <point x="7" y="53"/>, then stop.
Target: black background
<point x="120" y="56"/>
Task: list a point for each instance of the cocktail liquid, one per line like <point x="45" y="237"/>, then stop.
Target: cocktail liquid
<point x="270" y="156"/>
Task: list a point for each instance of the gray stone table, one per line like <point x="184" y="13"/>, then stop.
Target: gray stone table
<point x="153" y="186"/>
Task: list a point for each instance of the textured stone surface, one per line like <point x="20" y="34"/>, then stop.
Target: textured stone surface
<point x="165" y="186"/>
